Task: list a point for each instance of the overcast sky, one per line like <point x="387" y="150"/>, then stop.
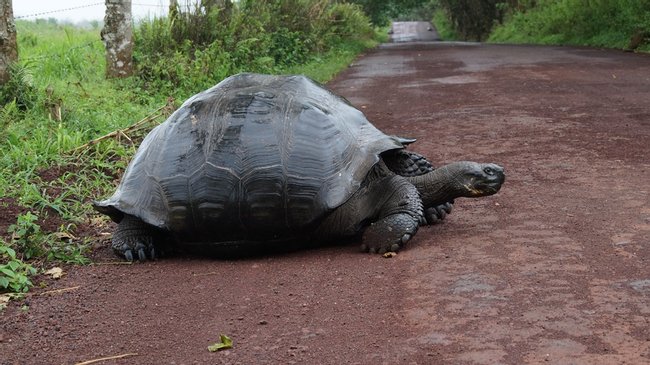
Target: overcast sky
<point x="92" y="10"/>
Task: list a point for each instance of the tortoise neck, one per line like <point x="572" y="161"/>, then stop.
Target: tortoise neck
<point x="440" y="185"/>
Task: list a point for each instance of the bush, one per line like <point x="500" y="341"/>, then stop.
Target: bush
<point x="473" y="20"/>
<point x="608" y="23"/>
<point x="196" y="47"/>
<point x="14" y="273"/>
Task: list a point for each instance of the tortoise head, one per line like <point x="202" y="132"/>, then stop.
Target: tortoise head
<point x="475" y="179"/>
<point x="458" y="179"/>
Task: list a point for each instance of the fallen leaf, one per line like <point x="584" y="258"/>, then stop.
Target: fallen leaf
<point x="4" y="299"/>
<point x="226" y="343"/>
<point x="390" y="254"/>
<point x="55" y="272"/>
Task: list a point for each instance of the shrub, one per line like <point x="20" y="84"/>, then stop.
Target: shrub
<point x="196" y="47"/>
<point x="14" y="273"/>
<point x="609" y="23"/>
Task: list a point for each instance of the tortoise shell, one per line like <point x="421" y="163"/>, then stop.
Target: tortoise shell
<point x="254" y="157"/>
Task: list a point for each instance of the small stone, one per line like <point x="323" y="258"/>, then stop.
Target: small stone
<point x="262" y="322"/>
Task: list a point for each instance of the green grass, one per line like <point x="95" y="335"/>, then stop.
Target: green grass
<point x="62" y="68"/>
<point x="443" y="26"/>
<point x="600" y="23"/>
<point x="324" y="67"/>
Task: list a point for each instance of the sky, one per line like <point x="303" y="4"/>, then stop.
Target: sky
<point x="91" y="9"/>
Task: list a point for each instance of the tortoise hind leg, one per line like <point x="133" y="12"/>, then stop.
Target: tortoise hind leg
<point x="399" y="218"/>
<point x="133" y="236"/>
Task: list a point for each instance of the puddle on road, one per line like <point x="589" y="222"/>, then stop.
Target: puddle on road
<point x="449" y="80"/>
<point x="383" y="66"/>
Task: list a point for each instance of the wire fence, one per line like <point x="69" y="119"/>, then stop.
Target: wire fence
<point x="68" y="9"/>
<point x="57" y="11"/>
<point x="49" y="12"/>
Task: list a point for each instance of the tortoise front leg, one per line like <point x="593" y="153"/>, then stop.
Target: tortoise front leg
<point x="408" y="163"/>
<point x="399" y="217"/>
<point x="133" y="236"/>
<point x="390" y="204"/>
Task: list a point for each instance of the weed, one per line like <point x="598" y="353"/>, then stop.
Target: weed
<point x="19" y="90"/>
<point x="14" y="273"/>
<point x="27" y="236"/>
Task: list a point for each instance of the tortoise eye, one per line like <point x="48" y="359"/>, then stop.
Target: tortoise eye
<point x="488" y="171"/>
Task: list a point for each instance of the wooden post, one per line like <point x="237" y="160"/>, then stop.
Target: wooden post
<point x="117" y="35"/>
<point x="8" y="47"/>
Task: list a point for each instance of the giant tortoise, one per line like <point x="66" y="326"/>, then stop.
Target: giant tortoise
<point x="261" y="160"/>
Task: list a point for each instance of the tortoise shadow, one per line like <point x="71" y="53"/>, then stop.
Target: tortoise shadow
<point x="233" y="251"/>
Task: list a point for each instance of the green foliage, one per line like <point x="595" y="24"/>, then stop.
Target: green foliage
<point x="14" y="273"/>
<point x="422" y="12"/>
<point x="19" y="90"/>
<point x="444" y="25"/>
<point x="607" y="23"/>
<point x="197" y="46"/>
<point x="473" y="20"/>
<point x="381" y="12"/>
<point x="27" y="236"/>
<point x="28" y="239"/>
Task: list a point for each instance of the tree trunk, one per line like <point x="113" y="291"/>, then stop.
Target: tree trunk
<point x="8" y="48"/>
<point x="118" y="38"/>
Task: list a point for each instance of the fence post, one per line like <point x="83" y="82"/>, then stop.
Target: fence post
<point x="117" y="35"/>
<point x="8" y="48"/>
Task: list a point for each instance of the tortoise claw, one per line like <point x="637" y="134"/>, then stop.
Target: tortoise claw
<point x="437" y="214"/>
<point x="134" y="250"/>
<point x="141" y="255"/>
<point x="128" y="255"/>
<point x="390" y="233"/>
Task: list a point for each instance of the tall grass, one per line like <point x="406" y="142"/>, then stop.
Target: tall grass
<point x="603" y="23"/>
<point x="196" y="45"/>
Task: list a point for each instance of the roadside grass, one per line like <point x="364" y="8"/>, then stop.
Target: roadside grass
<point x="323" y="68"/>
<point x="48" y="175"/>
<point x="443" y="25"/>
<point x="600" y="23"/>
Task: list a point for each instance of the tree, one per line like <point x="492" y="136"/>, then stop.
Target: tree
<point x="8" y="48"/>
<point x="117" y="35"/>
<point x="381" y="11"/>
<point x="474" y="19"/>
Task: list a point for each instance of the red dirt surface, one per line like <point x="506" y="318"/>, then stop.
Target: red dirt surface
<point x="553" y="269"/>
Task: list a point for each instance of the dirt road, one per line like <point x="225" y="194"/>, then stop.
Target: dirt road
<point x="413" y="32"/>
<point x="553" y="269"/>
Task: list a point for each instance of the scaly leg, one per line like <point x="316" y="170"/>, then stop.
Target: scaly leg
<point x="134" y="236"/>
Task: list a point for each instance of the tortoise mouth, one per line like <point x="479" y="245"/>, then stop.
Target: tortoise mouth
<point x="489" y="183"/>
